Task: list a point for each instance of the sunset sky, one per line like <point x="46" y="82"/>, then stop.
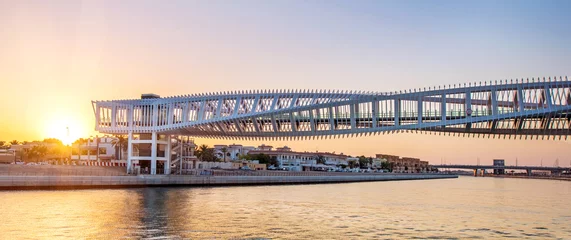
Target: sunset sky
<point x="57" y="56"/>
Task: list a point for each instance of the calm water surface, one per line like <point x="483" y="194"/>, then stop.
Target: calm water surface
<point x="485" y="208"/>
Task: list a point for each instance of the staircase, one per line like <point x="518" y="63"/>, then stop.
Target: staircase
<point x="184" y="150"/>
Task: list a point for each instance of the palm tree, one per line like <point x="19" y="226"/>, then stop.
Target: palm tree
<point x="320" y="159"/>
<point x="14" y="142"/>
<point x="224" y="150"/>
<point x="41" y="150"/>
<point x="80" y="141"/>
<point x="120" y="143"/>
<point x="201" y="151"/>
<point x="29" y="153"/>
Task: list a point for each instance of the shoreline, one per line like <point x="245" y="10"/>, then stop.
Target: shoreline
<point x="531" y="177"/>
<point x="8" y="183"/>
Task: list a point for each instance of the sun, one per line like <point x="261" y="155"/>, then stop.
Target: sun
<point x="63" y="129"/>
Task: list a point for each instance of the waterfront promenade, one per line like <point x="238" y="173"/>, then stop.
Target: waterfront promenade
<point x="15" y="181"/>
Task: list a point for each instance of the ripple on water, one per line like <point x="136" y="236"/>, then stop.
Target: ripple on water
<point x="295" y="212"/>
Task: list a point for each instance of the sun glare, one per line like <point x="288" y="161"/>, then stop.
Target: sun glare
<point x="63" y="129"/>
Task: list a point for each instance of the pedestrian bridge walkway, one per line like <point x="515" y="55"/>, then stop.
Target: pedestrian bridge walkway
<point x="531" y="107"/>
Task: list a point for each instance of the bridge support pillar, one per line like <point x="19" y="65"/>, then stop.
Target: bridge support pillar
<point x="483" y="172"/>
<point x="528" y="172"/>
<point x="154" y="153"/>
<point x="129" y="153"/>
<point x="475" y="172"/>
<point x="168" y="155"/>
<point x="154" y="156"/>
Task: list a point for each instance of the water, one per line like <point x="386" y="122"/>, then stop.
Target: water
<point x="485" y="208"/>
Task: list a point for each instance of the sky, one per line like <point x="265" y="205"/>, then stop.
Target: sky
<point x="57" y="56"/>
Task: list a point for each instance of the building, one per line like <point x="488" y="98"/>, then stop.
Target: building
<point x="499" y="162"/>
<point x="7" y="156"/>
<point x="99" y="149"/>
<point x="232" y="151"/>
<point x="253" y="165"/>
<point x="378" y="163"/>
<point x="40" y="151"/>
<point x="302" y="161"/>
<point x="405" y="164"/>
<point x="234" y="165"/>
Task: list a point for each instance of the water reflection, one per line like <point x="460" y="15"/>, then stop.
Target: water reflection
<point x="468" y="207"/>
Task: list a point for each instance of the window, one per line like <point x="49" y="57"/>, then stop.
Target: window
<point x="102" y="150"/>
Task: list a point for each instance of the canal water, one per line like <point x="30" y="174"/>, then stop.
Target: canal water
<point x="467" y="207"/>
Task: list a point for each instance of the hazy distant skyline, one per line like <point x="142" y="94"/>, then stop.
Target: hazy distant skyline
<point x="58" y="56"/>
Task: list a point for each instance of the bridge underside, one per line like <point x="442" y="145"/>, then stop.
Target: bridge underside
<point x="525" y="108"/>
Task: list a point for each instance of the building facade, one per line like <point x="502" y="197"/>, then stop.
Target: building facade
<point x="300" y="161"/>
<point x="405" y="164"/>
<point x="98" y="149"/>
<point x="232" y="151"/>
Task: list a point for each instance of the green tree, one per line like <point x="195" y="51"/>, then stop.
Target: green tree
<point x="120" y="143"/>
<point x="244" y="157"/>
<point x="41" y="151"/>
<point x="386" y="165"/>
<point x="208" y="155"/>
<point x="30" y="155"/>
<point x="320" y="159"/>
<point x="352" y="163"/>
<point x="80" y="141"/>
<point x="2" y="144"/>
<point x="363" y="161"/>
<point x="224" y="150"/>
<point x="53" y="141"/>
<point x="262" y="158"/>
<point x="201" y="151"/>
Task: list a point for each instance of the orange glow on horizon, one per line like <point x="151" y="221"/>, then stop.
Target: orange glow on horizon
<point x="64" y="128"/>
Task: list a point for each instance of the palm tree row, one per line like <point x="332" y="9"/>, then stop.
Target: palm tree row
<point x="36" y="152"/>
<point x="3" y="144"/>
<point x="205" y="153"/>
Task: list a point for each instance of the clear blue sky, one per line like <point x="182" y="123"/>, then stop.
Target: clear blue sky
<point x="58" y="56"/>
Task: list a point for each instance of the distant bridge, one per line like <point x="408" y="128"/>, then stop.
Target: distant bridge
<point x="528" y="169"/>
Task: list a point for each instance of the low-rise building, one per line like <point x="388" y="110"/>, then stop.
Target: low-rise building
<point x="299" y="161"/>
<point x="7" y="156"/>
<point x="234" y="165"/>
<point x="404" y="164"/>
<point x="253" y="165"/>
<point x="40" y="151"/>
<point x="100" y="149"/>
<point x="232" y="151"/>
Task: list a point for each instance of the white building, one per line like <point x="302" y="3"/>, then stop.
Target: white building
<point x="99" y="149"/>
<point x="233" y="151"/>
<point x="299" y="161"/>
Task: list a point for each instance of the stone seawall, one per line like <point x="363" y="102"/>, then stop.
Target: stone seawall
<point x="79" y="182"/>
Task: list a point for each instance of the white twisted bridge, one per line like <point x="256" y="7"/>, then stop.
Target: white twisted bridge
<point x="537" y="107"/>
<point x="524" y="108"/>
